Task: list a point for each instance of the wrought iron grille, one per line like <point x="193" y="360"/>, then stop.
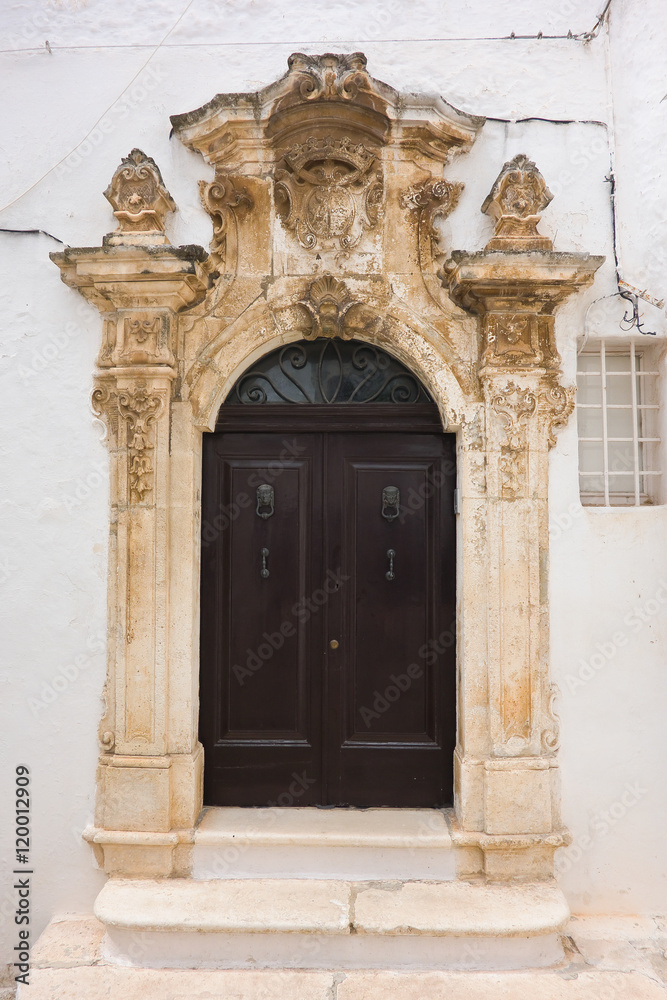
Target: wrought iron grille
<point x="328" y="370"/>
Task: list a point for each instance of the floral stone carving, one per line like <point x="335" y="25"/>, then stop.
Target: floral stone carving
<point x="140" y="201"/>
<point x="329" y="192"/>
<point x="516" y="202"/>
<point x="514" y="405"/>
<point x="140" y="409"/>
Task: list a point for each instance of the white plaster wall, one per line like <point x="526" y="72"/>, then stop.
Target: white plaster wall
<point x="69" y="115"/>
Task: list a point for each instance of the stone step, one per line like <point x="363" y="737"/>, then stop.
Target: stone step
<point x="318" y="923"/>
<point x="68" y="965"/>
<point x="357" y="844"/>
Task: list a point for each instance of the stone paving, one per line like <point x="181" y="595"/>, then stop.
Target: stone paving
<point x="607" y="958"/>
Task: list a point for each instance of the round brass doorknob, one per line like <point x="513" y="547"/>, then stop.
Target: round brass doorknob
<point x="334" y="644"/>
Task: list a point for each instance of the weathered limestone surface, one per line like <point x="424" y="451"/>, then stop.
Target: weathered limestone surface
<point x="629" y="965"/>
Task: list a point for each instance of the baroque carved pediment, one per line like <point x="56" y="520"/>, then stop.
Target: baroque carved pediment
<point x="336" y="93"/>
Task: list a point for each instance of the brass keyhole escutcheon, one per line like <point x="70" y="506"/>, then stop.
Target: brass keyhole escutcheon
<point x="334" y="644"/>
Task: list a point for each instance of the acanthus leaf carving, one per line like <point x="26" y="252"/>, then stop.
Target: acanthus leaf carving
<point x="225" y="201"/>
<point x="139" y="408"/>
<point x="328" y="302"/>
<point x="329" y="192"/>
<point x="139" y="199"/>
<point x="514" y="406"/>
<point x="515" y="203"/>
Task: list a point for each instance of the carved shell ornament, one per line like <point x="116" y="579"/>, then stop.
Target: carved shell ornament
<point x="328" y="303"/>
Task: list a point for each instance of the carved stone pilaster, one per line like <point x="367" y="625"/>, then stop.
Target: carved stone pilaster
<point x="139" y="285"/>
<point x="515" y="287"/>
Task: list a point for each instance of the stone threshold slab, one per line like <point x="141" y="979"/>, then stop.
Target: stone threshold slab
<point x="371" y="828"/>
<point x="265" y="906"/>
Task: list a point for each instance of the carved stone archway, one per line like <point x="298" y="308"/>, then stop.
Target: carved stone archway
<point x="325" y="208"/>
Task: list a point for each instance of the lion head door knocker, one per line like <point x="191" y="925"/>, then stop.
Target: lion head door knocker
<point x="265" y="498"/>
<point x="391" y="500"/>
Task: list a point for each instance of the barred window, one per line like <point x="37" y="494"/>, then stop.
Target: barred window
<point x="617" y="418"/>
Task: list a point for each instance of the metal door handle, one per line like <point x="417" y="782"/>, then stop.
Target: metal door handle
<point x="264" y="571"/>
<point x="390" y="575"/>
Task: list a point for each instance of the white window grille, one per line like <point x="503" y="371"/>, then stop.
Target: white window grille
<point x="617" y="417"/>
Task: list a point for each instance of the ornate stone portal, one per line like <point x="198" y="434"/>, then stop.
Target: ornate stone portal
<point x="327" y="191"/>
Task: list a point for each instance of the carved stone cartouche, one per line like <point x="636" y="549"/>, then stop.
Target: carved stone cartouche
<point x="328" y="192"/>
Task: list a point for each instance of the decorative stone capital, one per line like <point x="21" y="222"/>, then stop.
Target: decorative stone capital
<point x="135" y="277"/>
<point x="140" y="201"/>
<point x="515" y="202"/>
<point x="516" y="295"/>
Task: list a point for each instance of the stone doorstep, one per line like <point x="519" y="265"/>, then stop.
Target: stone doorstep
<point x="333" y="907"/>
<point x="316" y="923"/>
<point x="354" y="844"/>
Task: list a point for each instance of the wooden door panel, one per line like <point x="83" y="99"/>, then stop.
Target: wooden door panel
<point x="391" y="702"/>
<point x="262" y="722"/>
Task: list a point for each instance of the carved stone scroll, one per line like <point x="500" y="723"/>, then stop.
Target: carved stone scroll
<point x="225" y="200"/>
<point x="432" y="200"/>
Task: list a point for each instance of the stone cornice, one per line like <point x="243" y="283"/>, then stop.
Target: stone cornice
<point x="135" y="277"/>
<point x="480" y="281"/>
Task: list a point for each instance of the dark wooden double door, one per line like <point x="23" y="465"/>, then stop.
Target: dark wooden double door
<point x="328" y="608"/>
